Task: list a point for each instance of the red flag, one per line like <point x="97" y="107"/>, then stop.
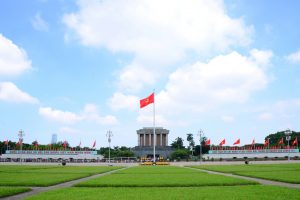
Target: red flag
<point x="20" y="142"/>
<point x="237" y="142"/>
<point x="148" y="100"/>
<point x="222" y="142"/>
<point x="6" y="142"/>
<point x="281" y="141"/>
<point x="65" y="144"/>
<point x="267" y="142"/>
<point x="79" y="144"/>
<point x="253" y="141"/>
<point x="295" y="142"/>
<point x="207" y="142"/>
<point x="94" y="145"/>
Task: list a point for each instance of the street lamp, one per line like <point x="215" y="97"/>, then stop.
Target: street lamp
<point x="200" y="133"/>
<point x="288" y="134"/>
<point x="21" y="135"/>
<point x="109" y="135"/>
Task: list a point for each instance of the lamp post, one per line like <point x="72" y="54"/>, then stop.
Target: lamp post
<point x="288" y="134"/>
<point x="200" y="133"/>
<point x="21" y="135"/>
<point x="109" y="135"/>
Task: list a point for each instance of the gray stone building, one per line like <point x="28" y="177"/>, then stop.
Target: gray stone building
<point x="145" y="141"/>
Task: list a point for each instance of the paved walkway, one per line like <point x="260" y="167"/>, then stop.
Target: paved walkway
<point x="261" y="181"/>
<point x="36" y="190"/>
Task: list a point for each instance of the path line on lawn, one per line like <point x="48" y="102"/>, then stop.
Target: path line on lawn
<point x="36" y="190"/>
<point x="259" y="180"/>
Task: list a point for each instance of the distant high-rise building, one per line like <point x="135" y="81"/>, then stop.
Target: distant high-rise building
<point x="54" y="139"/>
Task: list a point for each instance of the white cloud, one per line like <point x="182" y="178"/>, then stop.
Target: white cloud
<point x="147" y="118"/>
<point x="68" y="130"/>
<point x="9" y="92"/>
<point x="13" y="59"/>
<point x="59" y="116"/>
<point x="121" y="101"/>
<point x="227" y="118"/>
<point x="265" y="116"/>
<point x="134" y="77"/>
<point x="294" y="57"/>
<point x="262" y="58"/>
<point x="156" y="33"/>
<point x="39" y="23"/>
<point x="90" y="113"/>
<point x="230" y="78"/>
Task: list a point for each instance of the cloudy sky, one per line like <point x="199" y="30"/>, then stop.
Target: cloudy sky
<point x="79" y="68"/>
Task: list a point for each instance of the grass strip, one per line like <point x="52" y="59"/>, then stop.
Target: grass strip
<point x="251" y="168"/>
<point x="289" y="173"/>
<point x="9" y="191"/>
<point x="188" y="179"/>
<point x="46" y="176"/>
<point x="173" y="193"/>
<point x="283" y="176"/>
<point x="156" y="170"/>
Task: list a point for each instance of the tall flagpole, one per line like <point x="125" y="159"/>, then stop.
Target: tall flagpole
<point x="154" y="135"/>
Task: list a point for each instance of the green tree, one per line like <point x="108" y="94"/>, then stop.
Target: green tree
<point x="116" y="152"/>
<point x="275" y="137"/>
<point x="204" y="148"/>
<point x="180" y="154"/>
<point x="177" y="143"/>
<point x="190" y="139"/>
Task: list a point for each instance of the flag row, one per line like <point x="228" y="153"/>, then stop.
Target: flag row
<point x="267" y="142"/>
<point x="64" y="144"/>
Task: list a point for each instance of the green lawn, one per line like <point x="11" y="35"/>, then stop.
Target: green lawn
<point x="8" y="191"/>
<point x="161" y="176"/>
<point x="45" y="175"/>
<point x="279" y="172"/>
<point x="217" y="192"/>
<point x="156" y="170"/>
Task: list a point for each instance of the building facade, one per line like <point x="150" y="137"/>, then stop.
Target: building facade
<point x="54" y="139"/>
<point x="145" y="137"/>
<point x="50" y="156"/>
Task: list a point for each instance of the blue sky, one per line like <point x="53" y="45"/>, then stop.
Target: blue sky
<point x="79" y="68"/>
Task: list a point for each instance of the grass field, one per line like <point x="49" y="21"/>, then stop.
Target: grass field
<point x="213" y="192"/>
<point x="162" y="176"/>
<point x="45" y="175"/>
<point x="154" y="182"/>
<point x="8" y="191"/>
<point x="289" y="173"/>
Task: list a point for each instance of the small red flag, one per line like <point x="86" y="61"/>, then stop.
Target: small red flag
<point x="237" y="142"/>
<point x="222" y="142"/>
<point x="65" y="144"/>
<point x="207" y="142"/>
<point x="267" y="141"/>
<point x="94" y="145"/>
<point x="20" y="142"/>
<point x="253" y="142"/>
<point x="148" y="100"/>
<point x="295" y="142"/>
<point x="281" y="141"/>
<point x="79" y="144"/>
<point x="6" y="142"/>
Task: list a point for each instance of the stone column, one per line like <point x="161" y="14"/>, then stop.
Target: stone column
<point x="167" y="140"/>
<point x="161" y="139"/>
<point x="150" y="139"/>
<point x="144" y="139"/>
